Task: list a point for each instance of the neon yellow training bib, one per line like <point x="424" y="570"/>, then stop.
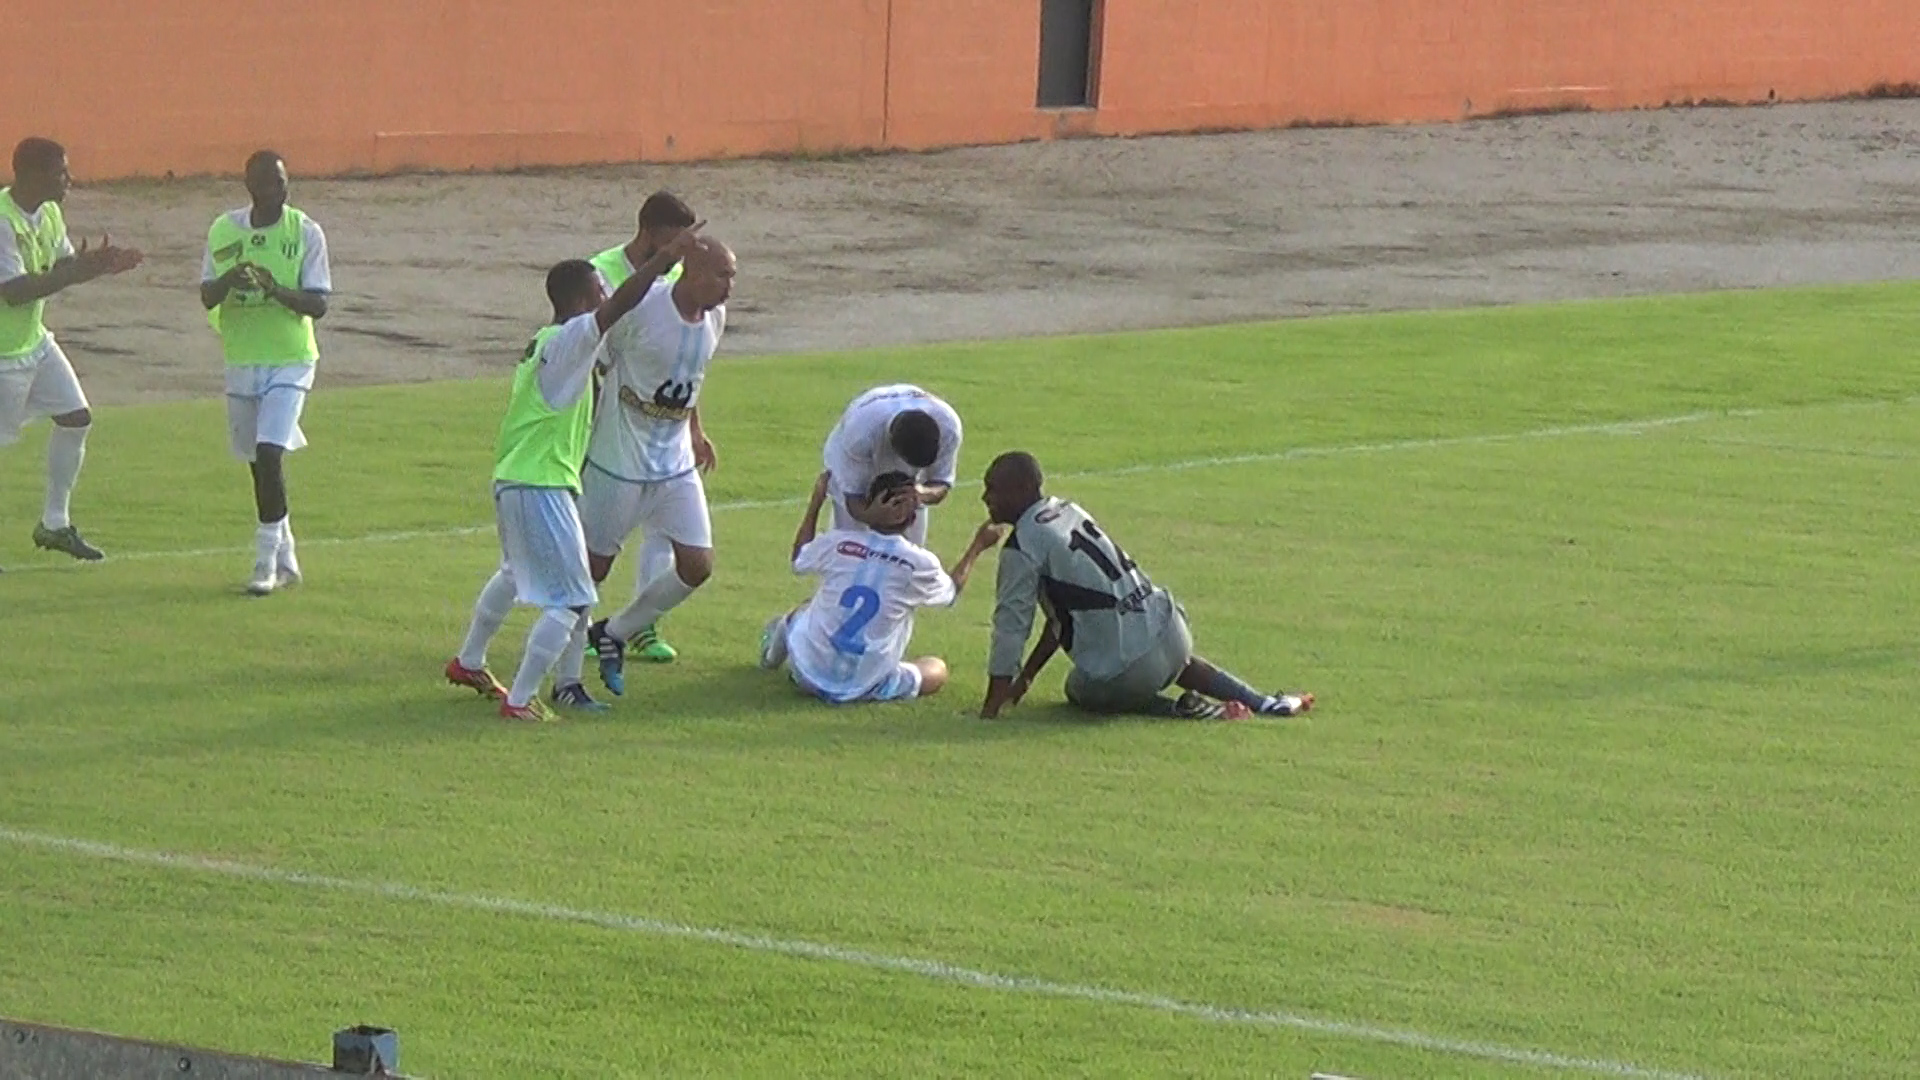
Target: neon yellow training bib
<point x="23" y="326"/>
<point x="254" y="329"/>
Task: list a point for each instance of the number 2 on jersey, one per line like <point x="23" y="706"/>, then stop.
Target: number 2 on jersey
<point x="1088" y="540"/>
<point x="865" y="604"/>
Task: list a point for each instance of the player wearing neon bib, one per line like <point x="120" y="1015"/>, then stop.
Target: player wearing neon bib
<point x="536" y="484"/>
<point x="1126" y="636"/>
<point x="849" y="643"/>
<point x="887" y="429"/>
<point x="264" y="280"/>
<point x="649" y="448"/>
<point x="37" y="260"/>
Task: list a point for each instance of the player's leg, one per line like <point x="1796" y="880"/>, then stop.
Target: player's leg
<point x="490" y="611"/>
<point x="569" y="682"/>
<point x="1202" y="676"/>
<point x="656" y="558"/>
<point x="56" y="393"/>
<point x="1199" y="676"/>
<point x="545" y="545"/>
<point x="677" y="509"/>
<point x="277" y="433"/>
<point x="773" y="640"/>
<point x="243" y="440"/>
<point x="933" y="675"/>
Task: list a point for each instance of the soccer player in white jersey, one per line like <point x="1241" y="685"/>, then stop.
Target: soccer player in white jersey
<point x="898" y="428"/>
<point x="536" y="484"/>
<point x="649" y="448"/>
<point x="37" y="260"/>
<point x="849" y="643"/>
<point x="1126" y="636"/>
<point x="264" y="280"/>
<point x="661" y="218"/>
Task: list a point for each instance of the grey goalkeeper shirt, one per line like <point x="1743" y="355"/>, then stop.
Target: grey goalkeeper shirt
<point x="1058" y="558"/>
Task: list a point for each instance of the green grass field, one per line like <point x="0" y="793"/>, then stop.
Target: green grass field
<point x="1610" y="608"/>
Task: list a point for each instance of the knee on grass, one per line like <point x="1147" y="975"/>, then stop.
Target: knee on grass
<point x="933" y="675"/>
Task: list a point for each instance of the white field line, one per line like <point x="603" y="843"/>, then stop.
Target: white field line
<point x="937" y="970"/>
<point x="1300" y="453"/>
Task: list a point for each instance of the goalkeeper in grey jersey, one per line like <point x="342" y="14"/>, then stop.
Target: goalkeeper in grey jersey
<point x="1127" y="638"/>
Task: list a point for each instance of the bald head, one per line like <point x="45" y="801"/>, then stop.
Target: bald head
<point x="706" y="274"/>
<point x="1013" y="484"/>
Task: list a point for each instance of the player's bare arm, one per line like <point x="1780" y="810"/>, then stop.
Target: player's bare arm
<point x="705" y="457"/>
<point x="308" y="302"/>
<point x="984" y="539"/>
<point x="84" y="265"/>
<point x="634" y="289"/>
<point x="214" y="293"/>
<point x="810" y="521"/>
<point x="1043" y="652"/>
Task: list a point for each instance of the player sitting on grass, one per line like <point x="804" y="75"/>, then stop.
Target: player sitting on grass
<point x="849" y="642"/>
<point x="1126" y="636"/>
<point x="536" y="484"/>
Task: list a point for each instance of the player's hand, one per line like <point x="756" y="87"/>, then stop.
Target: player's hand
<point x="682" y="242"/>
<point x="705" y="457"/>
<point x="986" y="536"/>
<point x="821" y="485"/>
<point x="898" y="506"/>
<point x="105" y="258"/>
<point x="261" y="278"/>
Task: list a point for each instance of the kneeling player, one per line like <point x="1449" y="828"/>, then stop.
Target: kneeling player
<point x="536" y="482"/>
<point x="1126" y="636"/>
<point x="849" y="642"/>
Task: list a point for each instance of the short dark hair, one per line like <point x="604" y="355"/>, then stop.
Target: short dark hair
<point x="915" y="436"/>
<point x="665" y="210"/>
<point x="261" y="159"/>
<point x="886" y="484"/>
<point x="36" y="155"/>
<point x="569" y="280"/>
<point x="1017" y="467"/>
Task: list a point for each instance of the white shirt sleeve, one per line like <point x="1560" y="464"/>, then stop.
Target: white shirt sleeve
<point x="316" y="275"/>
<point x="206" y="265"/>
<point x="816" y="556"/>
<point x="932" y="588"/>
<point x="11" y="265"/>
<point x="566" y="364"/>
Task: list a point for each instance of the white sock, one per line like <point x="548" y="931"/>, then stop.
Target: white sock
<point x="286" y="542"/>
<point x="661" y="595"/>
<point x="266" y="544"/>
<point x="66" y="449"/>
<point x="545" y="642"/>
<point x="656" y="558"/>
<point x="496" y="601"/>
<point x="573" y="662"/>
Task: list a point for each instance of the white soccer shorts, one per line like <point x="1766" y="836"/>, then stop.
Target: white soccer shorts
<point x="42" y="385"/>
<point x="612" y="508"/>
<point x="901" y="684"/>
<point x="264" y="405"/>
<point x="545" y="551"/>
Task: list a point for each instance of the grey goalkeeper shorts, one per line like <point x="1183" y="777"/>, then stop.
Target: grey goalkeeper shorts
<point x="1140" y="683"/>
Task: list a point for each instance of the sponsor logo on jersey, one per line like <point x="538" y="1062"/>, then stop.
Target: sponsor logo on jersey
<point x="854" y="549"/>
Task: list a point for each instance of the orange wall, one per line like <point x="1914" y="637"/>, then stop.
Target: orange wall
<point x="192" y="86"/>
